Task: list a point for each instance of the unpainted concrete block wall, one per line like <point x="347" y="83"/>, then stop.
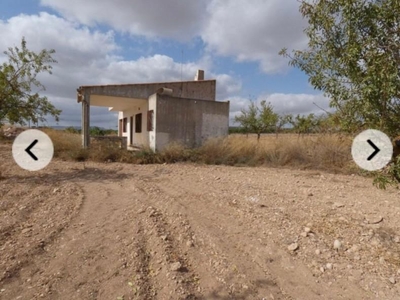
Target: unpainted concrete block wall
<point x="189" y="121"/>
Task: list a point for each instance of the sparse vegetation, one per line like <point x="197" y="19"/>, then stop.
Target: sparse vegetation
<point x="94" y="131"/>
<point x="324" y="152"/>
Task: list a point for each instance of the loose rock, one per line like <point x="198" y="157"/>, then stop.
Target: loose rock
<point x="373" y="219"/>
<point x="176" y="266"/>
<point x="337" y="244"/>
<point x="293" y="247"/>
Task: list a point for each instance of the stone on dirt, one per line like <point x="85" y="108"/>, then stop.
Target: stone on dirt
<point x="337" y="244"/>
<point x="293" y="247"/>
<point x="176" y="266"/>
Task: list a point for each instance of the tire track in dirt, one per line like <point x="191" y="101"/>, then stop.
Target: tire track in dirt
<point x="38" y="218"/>
<point x="95" y="257"/>
<point x="111" y="249"/>
<point x="137" y="222"/>
<point x="88" y="257"/>
<point x="171" y="271"/>
<point x="222" y="277"/>
<point x="265" y="258"/>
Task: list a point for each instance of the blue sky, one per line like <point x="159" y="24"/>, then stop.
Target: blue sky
<point x="129" y="41"/>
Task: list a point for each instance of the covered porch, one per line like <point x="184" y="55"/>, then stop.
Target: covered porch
<point x="126" y="109"/>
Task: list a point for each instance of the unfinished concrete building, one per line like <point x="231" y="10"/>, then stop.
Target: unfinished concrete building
<point x="157" y="114"/>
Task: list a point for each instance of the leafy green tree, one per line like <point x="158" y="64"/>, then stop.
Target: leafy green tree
<point x="257" y="119"/>
<point x="96" y="131"/>
<point x="353" y="56"/>
<point x="20" y="101"/>
<point x="304" y="124"/>
<point x="328" y="123"/>
<point x="282" y="121"/>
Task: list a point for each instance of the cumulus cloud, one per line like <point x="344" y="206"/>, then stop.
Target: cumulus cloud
<point x="247" y="30"/>
<point x="297" y="103"/>
<point x="75" y="44"/>
<point x="88" y="57"/>
<point x="254" y="30"/>
<point x="171" y="18"/>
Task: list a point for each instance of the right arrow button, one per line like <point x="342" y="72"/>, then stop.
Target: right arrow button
<point x="375" y="148"/>
<point x="377" y="157"/>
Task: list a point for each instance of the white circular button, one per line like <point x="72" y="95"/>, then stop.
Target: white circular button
<point x="32" y="150"/>
<point x="372" y="150"/>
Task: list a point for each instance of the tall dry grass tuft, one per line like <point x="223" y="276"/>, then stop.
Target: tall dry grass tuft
<point x="176" y="152"/>
<point x="233" y="150"/>
<point x="66" y="145"/>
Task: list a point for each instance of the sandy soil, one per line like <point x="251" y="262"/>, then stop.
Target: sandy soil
<point x="114" y="231"/>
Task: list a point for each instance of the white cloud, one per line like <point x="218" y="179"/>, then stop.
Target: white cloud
<point x="87" y="57"/>
<point x="254" y="30"/>
<point x="247" y="30"/>
<point x="297" y="103"/>
<point x="172" y="18"/>
<point x="75" y="44"/>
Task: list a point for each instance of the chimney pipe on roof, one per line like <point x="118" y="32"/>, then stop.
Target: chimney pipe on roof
<point x="199" y="75"/>
<point x="164" y="91"/>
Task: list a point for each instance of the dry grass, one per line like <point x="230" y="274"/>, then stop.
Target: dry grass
<point x="327" y="152"/>
<point x="323" y="152"/>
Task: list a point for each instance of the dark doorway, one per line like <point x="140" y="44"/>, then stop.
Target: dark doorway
<point x="131" y="130"/>
<point x="120" y="127"/>
<point x="138" y="123"/>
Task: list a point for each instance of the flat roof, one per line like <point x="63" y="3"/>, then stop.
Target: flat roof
<point x="144" y="83"/>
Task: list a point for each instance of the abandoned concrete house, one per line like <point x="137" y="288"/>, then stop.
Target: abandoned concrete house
<point x="157" y="114"/>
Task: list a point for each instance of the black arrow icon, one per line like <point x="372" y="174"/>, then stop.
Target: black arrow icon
<point x="375" y="152"/>
<point x="28" y="150"/>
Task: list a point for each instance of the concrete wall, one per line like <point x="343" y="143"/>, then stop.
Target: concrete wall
<point x="189" y="121"/>
<point x="204" y="90"/>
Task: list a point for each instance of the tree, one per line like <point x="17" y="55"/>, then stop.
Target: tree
<point x="304" y="124"/>
<point x="257" y="119"/>
<point x="353" y="56"/>
<point x="20" y="101"/>
<point x="282" y="121"/>
<point x="328" y="123"/>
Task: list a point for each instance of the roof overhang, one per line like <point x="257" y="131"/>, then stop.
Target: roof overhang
<point x="116" y="103"/>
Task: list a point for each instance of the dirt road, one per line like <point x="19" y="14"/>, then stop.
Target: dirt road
<point x="114" y="231"/>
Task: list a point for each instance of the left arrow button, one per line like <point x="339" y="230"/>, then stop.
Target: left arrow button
<point x="32" y="150"/>
<point x="28" y="150"/>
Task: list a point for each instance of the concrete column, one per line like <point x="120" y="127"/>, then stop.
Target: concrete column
<point x="86" y="121"/>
